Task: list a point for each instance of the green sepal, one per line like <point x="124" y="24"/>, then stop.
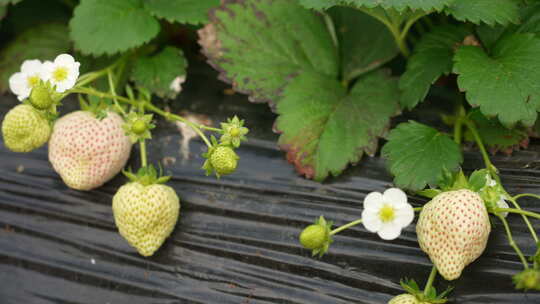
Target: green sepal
<point x="95" y="105"/>
<point x="429" y="193"/>
<point x="132" y="121"/>
<point x="233" y="132"/>
<point x="411" y="287"/>
<point x="478" y="179"/>
<point x="147" y="176"/>
<point x="328" y="227"/>
<point x="527" y="279"/>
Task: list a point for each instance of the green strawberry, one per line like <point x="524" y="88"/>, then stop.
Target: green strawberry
<point x="453" y="229"/>
<point x="40" y="97"/>
<point x="145" y="214"/>
<point x="405" y="299"/>
<point x="314" y="236"/>
<point x="25" y="129"/>
<point x="224" y="160"/>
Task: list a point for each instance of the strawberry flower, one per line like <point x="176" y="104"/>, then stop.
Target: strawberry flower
<point x="387" y="213"/>
<point x="62" y="73"/>
<point x="21" y="83"/>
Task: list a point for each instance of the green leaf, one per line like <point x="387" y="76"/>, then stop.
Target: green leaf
<point x="365" y="43"/>
<point x="496" y="136"/>
<point x="43" y="42"/>
<point x="395" y="4"/>
<point x="505" y="83"/>
<point x="258" y="46"/>
<point x="183" y="11"/>
<point x="418" y="155"/>
<point x="158" y="72"/>
<point x="107" y="27"/>
<point x="478" y="179"/>
<point x="431" y="59"/>
<point x="487" y="11"/>
<point x="324" y="128"/>
<point x="489" y="35"/>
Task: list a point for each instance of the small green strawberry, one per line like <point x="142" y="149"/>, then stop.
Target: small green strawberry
<point x="313" y="236"/>
<point x="317" y="237"/>
<point x="25" y="129"/>
<point x="453" y="229"/>
<point x="40" y="97"/>
<point x="224" y="160"/>
<point x="405" y="299"/>
<point x="145" y="214"/>
<point x="221" y="159"/>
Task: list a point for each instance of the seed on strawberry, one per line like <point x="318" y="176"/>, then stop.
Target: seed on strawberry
<point x="86" y="151"/>
<point x="453" y="229"/>
<point x="145" y="214"/>
<point x="25" y="129"/>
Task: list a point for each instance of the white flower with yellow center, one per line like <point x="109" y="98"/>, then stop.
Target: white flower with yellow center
<point x="21" y="83"/>
<point x="62" y="73"/>
<point x="387" y="213"/>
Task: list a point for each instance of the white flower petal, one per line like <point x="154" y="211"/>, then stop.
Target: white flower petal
<point x="31" y="66"/>
<point x="371" y="220"/>
<point x="46" y="70"/>
<point x="395" y="196"/>
<point x="404" y="215"/>
<point x="373" y="201"/>
<point x="503" y="204"/>
<point x="389" y="231"/>
<point x="64" y="59"/>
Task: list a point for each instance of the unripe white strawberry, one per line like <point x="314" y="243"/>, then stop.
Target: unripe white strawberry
<point x="453" y="229"/>
<point x="145" y="215"/>
<point x="25" y="129"/>
<point x="86" y="151"/>
<point x="405" y="299"/>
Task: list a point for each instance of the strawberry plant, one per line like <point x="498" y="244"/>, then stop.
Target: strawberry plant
<point x="336" y="73"/>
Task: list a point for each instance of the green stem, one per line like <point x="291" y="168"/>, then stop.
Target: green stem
<point x="430" y="280"/>
<point x="458" y="127"/>
<point x="113" y="92"/>
<point x="142" y="145"/>
<point x="394" y="30"/>
<point x="525" y="195"/>
<point x="346" y="226"/>
<point x="196" y="127"/>
<point x="518" y="211"/>
<point x="511" y="240"/>
<point x="489" y="166"/>
<point x="525" y="218"/>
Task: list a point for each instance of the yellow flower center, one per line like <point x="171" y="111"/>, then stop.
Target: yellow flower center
<point x="32" y="81"/>
<point x="60" y="74"/>
<point x="234" y="132"/>
<point x="387" y="213"/>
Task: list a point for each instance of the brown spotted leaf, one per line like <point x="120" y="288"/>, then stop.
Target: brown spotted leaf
<point x="324" y="128"/>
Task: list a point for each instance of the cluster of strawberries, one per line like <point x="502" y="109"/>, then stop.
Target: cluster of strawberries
<point x="89" y="147"/>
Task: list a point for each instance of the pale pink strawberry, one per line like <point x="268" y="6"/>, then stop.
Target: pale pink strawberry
<point x="453" y="229"/>
<point x="86" y="151"/>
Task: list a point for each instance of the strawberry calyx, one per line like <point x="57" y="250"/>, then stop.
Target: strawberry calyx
<point x="431" y="296"/>
<point x="147" y="176"/>
<point x="138" y="126"/>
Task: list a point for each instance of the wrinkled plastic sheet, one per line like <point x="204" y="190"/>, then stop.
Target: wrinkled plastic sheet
<point x="236" y="240"/>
